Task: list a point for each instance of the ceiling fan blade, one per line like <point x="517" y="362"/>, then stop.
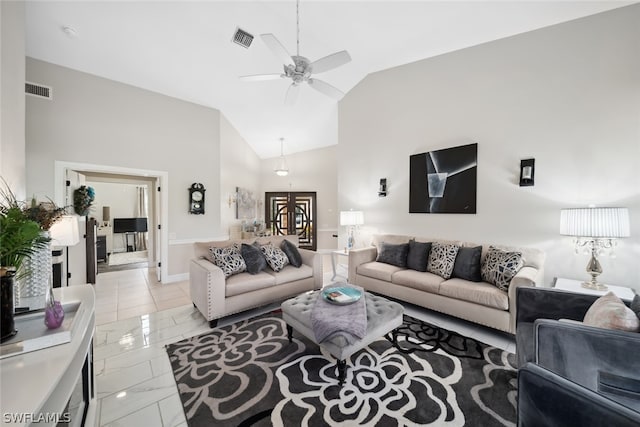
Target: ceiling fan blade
<point x="260" y="77"/>
<point x="330" y="62"/>
<point x="292" y="94"/>
<point x="326" y="88"/>
<point x="276" y="47"/>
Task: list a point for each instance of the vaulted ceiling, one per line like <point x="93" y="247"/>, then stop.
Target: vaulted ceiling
<point x="184" y="49"/>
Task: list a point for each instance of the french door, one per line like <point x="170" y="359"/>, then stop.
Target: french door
<point x="288" y="213"/>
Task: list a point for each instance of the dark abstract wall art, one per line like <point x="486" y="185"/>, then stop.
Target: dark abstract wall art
<point x="444" y="181"/>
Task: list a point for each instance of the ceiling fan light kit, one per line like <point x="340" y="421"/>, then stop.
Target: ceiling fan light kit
<point x="300" y="69"/>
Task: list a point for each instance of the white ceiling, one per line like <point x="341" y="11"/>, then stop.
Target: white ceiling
<point x="183" y="49"/>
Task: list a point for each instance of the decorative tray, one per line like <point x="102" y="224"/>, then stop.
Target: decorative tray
<point x="341" y="295"/>
<point x="33" y="334"/>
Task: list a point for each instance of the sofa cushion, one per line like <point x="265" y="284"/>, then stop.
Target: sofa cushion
<point x="500" y="266"/>
<point x="418" y="255"/>
<point x="480" y="293"/>
<point x="290" y="274"/>
<point x="292" y="253"/>
<point x="228" y="259"/>
<point x="422" y="281"/>
<point x="610" y="312"/>
<point x="377" y="270"/>
<point x="275" y="257"/>
<point x="467" y="265"/>
<point x="442" y="258"/>
<point x="253" y="257"/>
<point x="245" y="282"/>
<point x="393" y="254"/>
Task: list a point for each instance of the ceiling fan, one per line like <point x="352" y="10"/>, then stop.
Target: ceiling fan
<point x="300" y="69"/>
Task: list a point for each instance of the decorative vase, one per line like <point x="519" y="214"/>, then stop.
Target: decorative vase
<point x="32" y="289"/>
<point x="7" y="323"/>
<point x="53" y="312"/>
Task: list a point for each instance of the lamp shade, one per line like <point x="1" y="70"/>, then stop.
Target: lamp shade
<point x="65" y="231"/>
<point x="595" y="222"/>
<point x="351" y="218"/>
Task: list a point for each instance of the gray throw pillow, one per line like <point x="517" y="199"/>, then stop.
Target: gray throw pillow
<point x="276" y="259"/>
<point x="253" y="257"/>
<point x="228" y="259"/>
<point x="292" y="253"/>
<point x="393" y="254"/>
<point x="442" y="258"/>
<point x="418" y="255"/>
<point x="467" y="265"/>
<point x="635" y="305"/>
<point x="500" y="266"/>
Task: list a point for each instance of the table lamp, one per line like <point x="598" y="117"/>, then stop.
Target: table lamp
<point x="65" y="233"/>
<point x="351" y="219"/>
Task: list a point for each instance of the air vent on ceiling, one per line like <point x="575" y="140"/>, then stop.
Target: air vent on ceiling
<point x="242" y="38"/>
<point x="38" y="90"/>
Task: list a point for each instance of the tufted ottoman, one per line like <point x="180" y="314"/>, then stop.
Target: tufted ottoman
<point x="383" y="316"/>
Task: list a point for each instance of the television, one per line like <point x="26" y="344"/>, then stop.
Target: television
<point x="129" y="225"/>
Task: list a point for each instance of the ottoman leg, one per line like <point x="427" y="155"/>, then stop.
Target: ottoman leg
<point x="342" y="371"/>
<point x="289" y="332"/>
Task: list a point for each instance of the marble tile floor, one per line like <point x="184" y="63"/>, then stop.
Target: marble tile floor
<point x="133" y="375"/>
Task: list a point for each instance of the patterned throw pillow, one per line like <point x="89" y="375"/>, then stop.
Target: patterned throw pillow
<point x="500" y="266"/>
<point x="442" y="258"/>
<point x="276" y="258"/>
<point x="609" y="312"/>
<point x="228" y="259"/>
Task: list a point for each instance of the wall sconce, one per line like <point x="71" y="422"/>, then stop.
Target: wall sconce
<point x="232" y="199"/>
<point x="527" y="172"/>
<point x="382" y="191"/>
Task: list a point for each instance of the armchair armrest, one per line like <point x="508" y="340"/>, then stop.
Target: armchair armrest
<point x="313" y="260"/>
<point x="545" y="398"/>
<point x="601" y="360"/>
<point x="526" y="277"/>
<point x="207" y="287"/>
<point x="360" y="256"/>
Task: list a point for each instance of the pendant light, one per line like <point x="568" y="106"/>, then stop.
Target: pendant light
<point x="281" y="167"/>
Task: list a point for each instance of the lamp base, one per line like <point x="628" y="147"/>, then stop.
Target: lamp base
<point x="595" y="286"/>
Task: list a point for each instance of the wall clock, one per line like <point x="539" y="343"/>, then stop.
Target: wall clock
<point x="196" y="199"/>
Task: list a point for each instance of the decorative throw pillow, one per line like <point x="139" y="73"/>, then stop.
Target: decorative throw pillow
<point x="253" y="257"/>
<point x="418" y="255"/>
<point x="467" y="265"/>
<point x="393" y="254"/>
<point x="442" y="258"/>
<point x="635" y="305"/>
<point x="292" y="253"/>
<point x="228" y="259"/>
<point x="276" y="259"/>
<point x="609" y="312"/>
<point x="500" y="266"/>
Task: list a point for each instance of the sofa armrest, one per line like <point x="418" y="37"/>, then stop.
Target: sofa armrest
<point x="207" y="287"/>
<point x="360" y="256"/>
<point x="601" y="360"/>
<point x="526" y="277"/>
<point x="314" y="260"/>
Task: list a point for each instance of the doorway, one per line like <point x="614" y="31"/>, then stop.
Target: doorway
<point x="158" y="203"/>
<point x="289" y="213"/>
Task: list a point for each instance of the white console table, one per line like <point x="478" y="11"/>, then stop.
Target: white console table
<point x="576" y="286"/>
<point x="54" y="383"/>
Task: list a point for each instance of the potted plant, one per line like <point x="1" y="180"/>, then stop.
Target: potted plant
<point x="20" y="237"/>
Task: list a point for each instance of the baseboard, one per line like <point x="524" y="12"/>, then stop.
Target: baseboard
<point x="176" y="278"/>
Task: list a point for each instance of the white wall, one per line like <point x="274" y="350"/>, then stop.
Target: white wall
<point x="12" y="102"/>
<point x="314" y="170"/>
<point x="567" y="95"/>
<point x="98" y="121"/>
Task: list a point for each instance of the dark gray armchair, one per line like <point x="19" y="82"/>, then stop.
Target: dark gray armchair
<point x="593" y="360"/>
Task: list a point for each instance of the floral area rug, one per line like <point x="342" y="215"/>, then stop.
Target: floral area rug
<point x="248" y="374"/>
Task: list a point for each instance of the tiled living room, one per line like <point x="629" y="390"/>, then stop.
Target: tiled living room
<point x="385" y="233"/>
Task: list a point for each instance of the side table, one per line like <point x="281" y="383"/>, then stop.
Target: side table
<point x="334" y="262"/>
<point x="576" y="286"/>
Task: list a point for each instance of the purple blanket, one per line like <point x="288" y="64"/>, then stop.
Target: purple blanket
<point x="331" y="320"/>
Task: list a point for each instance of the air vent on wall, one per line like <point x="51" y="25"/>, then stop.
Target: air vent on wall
<point x="38" y="90"/>
<point x="242" y="38"/>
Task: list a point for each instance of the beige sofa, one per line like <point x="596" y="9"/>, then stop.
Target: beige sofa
<point x="216" y="297"/>
<point x="479" y="302"/>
